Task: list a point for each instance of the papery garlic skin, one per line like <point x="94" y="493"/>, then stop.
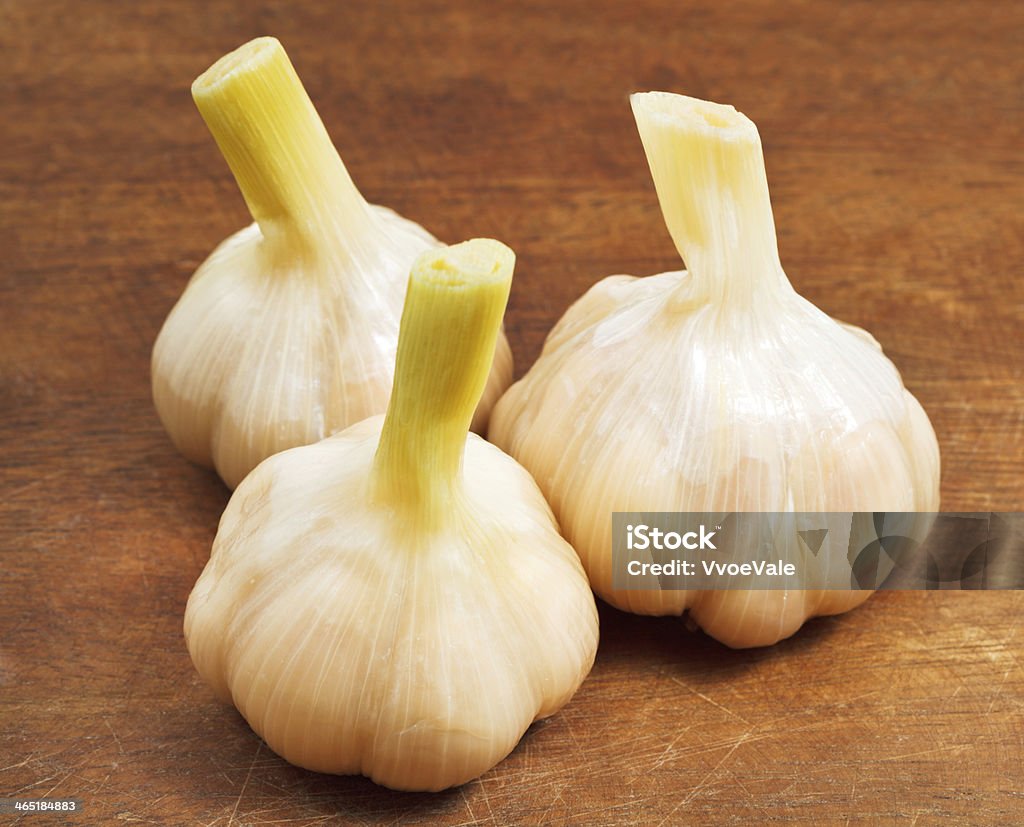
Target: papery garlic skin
<point x="287" y="332"/>
<point x="716" y="389"/>
<point x="355" y="646"/>
<point x="396" y="600"/>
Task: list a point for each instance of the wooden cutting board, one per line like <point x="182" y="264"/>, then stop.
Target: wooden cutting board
<point x="893" y="142"/>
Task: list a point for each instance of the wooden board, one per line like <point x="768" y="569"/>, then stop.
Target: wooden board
<point x="892" y="137"/>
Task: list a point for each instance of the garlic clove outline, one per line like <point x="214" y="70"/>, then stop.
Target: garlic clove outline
<point x="717" y="388"/>
<point x="287" y="332"/>
<point x="396" y="600"/>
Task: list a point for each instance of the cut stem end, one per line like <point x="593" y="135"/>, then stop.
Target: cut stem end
<point x="246" y="58"/>
<point x="693" y="114"/>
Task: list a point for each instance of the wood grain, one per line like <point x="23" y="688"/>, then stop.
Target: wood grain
<point x="892" y="134"/>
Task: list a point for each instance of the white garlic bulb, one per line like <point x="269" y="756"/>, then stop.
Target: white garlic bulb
<point x="287" y="332"/>
<point x="714" y="389"/>
<point x="396" y="600"/>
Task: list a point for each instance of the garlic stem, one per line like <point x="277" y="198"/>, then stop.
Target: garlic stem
<point x="268" y="130"/>
<point x="453" y="309"/>
<point x="708" y="170"/>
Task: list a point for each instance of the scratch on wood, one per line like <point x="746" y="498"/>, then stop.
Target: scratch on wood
<point x="55" y="786"/>
<point x="711" y="701"/>
<point x="487" y="800"/>
<point x="753" y="799"/>
<point x="569" y="730"/>
<point x="120" y="748"/>
<point x="665" y="755"/>
<point x="557" y="797"/>
<point x="956" y="748"/>
<point x="469" y="806"/>
<point x="713" y="772"/>
<point x="21" y="763"/>
<point x="999" y="691"/>
<point x="248" y="775"/>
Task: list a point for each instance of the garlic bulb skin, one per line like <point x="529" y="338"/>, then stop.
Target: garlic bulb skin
<point x="287" y="332"/>
<point x="714" y="389"/>
<point x="396" y="601"/>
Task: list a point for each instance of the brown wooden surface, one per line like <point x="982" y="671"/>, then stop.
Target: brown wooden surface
<point x="893" y="140"/>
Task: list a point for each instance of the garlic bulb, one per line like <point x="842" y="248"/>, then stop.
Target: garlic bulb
<point x="395" y="600"/>
<point x="713" y="389"/>
<point x="287" y="332"/>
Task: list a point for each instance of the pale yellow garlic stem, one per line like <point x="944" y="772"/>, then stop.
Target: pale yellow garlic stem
<point x="708" y="170"/>
<point x="453" y="309"/>
<point x="268" y="130"/>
